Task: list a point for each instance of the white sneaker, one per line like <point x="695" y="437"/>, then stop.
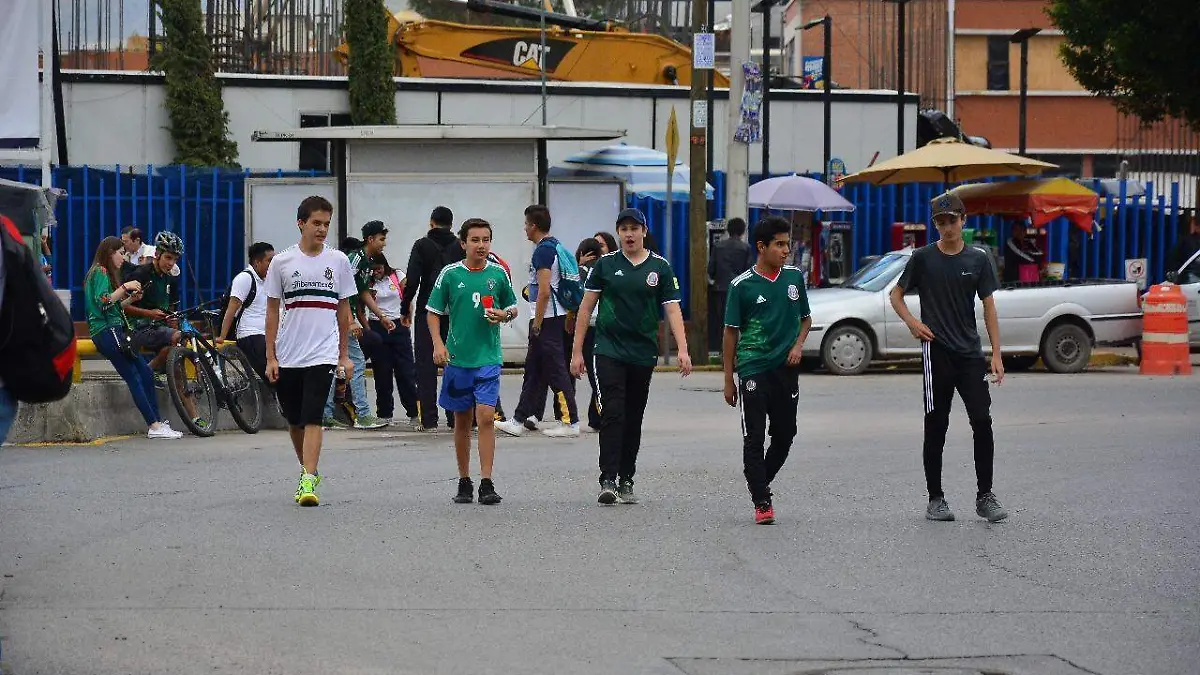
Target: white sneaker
<point x="178" y="434"/>
<point x="562" y="431"/>
<point x="163" y="432"/>
<point x="387" y="421"/>
<point x="510" y="427"/>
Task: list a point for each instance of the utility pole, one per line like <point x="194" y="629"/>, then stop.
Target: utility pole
<point x="827" y="95"/>
<point x="701" y="103"/>
<point x="901" y="43"/>
<point x="737" y="156"/>
<point x="1021" y="37"/>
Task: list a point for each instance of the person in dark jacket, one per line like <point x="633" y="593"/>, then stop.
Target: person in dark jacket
<point x="728" y="259"/>
<point x="424" y="264"/>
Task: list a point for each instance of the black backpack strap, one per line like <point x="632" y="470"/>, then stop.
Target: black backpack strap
<point x="249" y="296"/>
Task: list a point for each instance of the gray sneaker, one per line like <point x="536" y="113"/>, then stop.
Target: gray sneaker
<point x="625" y="492"/>
<point x="987" y="506"/>
<point x="938" y="509"/>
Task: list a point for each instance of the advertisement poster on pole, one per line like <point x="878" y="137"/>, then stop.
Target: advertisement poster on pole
<point x="813" y="69"/>
<point x="836" y="171"/>
<point x="704" y="51"/>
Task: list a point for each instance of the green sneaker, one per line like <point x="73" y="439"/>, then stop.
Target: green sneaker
<point x="369" y="422"/>
<point x="306" y="493"/>
<point x="316" y="483"/>
<point x="331" y="423"/>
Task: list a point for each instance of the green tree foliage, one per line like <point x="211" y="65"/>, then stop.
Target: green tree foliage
<point x="199" y="122"/>
<point x="1142" y="54"/>
<point x="372" y="91"/>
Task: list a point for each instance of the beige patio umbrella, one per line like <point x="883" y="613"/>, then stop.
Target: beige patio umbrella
<point x="947" y="160"/>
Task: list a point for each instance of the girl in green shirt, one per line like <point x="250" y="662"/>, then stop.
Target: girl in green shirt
<point x="104" y="299"/>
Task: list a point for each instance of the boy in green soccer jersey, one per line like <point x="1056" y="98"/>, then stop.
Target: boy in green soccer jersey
<point x="766" y="322"/>
<point x="630" y="285"/>
<point x="477" y="296"/>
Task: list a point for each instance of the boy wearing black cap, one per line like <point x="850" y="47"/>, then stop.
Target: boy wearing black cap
<point x="630" y="285"/>
<point x="374" y="240"/>
<point x="947" y="276"/>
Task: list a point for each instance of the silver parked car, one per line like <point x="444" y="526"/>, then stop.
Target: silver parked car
<point x="1060" y="321"/>
<point x="1188" y="279"/>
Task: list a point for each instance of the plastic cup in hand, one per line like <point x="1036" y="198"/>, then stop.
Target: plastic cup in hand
<point x="487" y="301"/>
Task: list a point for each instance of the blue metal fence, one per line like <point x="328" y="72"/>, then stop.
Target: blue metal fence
<point x="206" y="208"/>
<point x="203" y="206"/>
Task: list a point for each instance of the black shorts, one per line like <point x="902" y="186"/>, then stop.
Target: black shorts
<point x="255" y="349"/>
<point x="303" y="392"/>
<point x="152" y="338"/>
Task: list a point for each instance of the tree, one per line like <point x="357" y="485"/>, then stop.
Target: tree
<point x="372" y="91"/>
<point x="1141" y="54"/>
<point x="199" y="122"/>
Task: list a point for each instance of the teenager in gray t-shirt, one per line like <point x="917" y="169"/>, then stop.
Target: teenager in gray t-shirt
<point x="947" y="277"/>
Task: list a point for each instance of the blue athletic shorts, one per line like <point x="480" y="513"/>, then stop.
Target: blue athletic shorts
<point x="465" y="388"/>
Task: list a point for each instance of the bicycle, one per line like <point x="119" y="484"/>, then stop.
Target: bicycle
<point x="200" y="373"/>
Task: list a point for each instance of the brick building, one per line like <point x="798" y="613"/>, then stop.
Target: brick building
<point x="980" y="86"/>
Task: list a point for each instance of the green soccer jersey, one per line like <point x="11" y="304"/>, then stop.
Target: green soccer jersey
<point x="360" y="266"/>
<point x="462" y="293"/>
<point x="102" y="312"/>
<point x="768" y="314"/>
<point x="631" y="297"/>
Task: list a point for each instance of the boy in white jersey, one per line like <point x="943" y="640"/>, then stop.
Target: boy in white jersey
<point x="475" y="295"/>
<point x="314" y="284"/>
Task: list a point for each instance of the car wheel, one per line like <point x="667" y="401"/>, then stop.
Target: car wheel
<point x="1066" y="349"/>
<point x="846" y="351"/>
<point x="1019" y="363"/>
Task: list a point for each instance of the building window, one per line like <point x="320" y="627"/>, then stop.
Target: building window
<point x="997" y="63"/>
<point x="314" y="155"/>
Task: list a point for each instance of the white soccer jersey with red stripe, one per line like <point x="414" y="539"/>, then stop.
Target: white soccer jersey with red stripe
<point x="310" y="288"/>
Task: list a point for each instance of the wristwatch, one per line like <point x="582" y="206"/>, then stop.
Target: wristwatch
<point x="511" y="313"/>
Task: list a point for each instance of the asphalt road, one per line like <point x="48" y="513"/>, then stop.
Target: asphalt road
<point x="191" y="557"/>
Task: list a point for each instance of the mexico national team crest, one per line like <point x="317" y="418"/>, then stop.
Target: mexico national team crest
<point x="652" y="279"/>
<point x="793" y="292"/>
<point x="751" y="385"/>
<point x="329" y="274"/>
<point x="491" y="284"/>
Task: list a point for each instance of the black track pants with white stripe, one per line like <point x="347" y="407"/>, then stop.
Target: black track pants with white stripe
<point x="767" y="397"/>
<point x="945" y="372"/>
<point x="624" y="390"/>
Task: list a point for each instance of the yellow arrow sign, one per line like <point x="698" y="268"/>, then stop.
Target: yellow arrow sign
<point x="672" y="141"/>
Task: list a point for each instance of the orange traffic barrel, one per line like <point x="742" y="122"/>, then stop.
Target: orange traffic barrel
<point x="1165" y="332"/>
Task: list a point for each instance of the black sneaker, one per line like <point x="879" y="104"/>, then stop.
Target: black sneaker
<point x="466" y="491"/>
<point x="487" y="492"/>
<point x="938" y="509"/>
<point x="987" y="506"/>
<point x="530" y="423"/>
<point x="608" y="492"/>
<point x="625" y="491"/>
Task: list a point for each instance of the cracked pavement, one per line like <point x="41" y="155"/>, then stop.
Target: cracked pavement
<point x="191" y="557"/>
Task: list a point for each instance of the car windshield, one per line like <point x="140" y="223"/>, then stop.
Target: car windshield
<point x="877" y="275"/>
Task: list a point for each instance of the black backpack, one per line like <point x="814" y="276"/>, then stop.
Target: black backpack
<point x="36" y="359"/>
<point x="225" y="306"/>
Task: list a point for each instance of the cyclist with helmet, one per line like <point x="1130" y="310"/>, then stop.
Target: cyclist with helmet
<point x="160" y="295"/>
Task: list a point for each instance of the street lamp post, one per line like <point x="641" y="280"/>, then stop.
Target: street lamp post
<point x="1021" y="37"/>
<point x="827" y="95"/>
<point x="764" y="6"/>
<point x="901" y="16"/>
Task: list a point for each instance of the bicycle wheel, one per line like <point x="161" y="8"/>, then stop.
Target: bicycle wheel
<point x="243" y="388"/>
<point x="192" y="387"/>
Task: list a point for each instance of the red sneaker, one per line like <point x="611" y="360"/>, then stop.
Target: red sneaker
<point x="764" y="514"/>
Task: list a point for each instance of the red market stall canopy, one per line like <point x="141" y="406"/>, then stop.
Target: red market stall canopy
<point x="1039" y="199"/>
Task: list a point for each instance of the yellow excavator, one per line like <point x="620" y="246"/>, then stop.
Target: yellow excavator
<point x="576" y="49"/>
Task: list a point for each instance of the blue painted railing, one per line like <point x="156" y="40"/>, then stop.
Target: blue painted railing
<point x="206" y="207"/>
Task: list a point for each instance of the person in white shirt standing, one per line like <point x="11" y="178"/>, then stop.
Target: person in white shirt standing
<point x="393" y="358"/>
<point x="314" y="284"/>
<point x="246" y="314"/>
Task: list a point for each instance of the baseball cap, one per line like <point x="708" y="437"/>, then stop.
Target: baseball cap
<point x="631" y="214"/>
<point x="947" y="203"/>
<point x="373" y="228"/>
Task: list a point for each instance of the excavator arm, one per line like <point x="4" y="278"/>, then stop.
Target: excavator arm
<point x="577" y="49"/>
